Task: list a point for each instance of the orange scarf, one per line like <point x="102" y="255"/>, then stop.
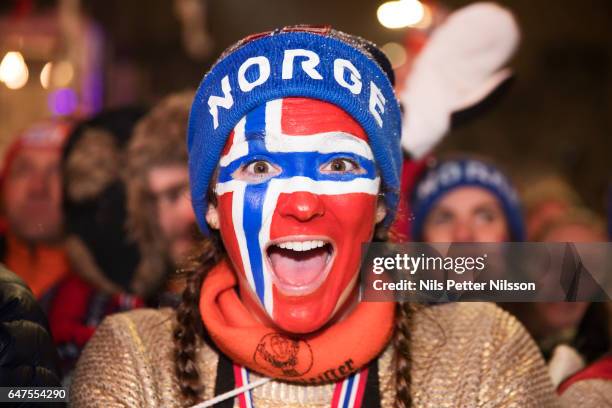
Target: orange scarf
<point x="40" y="267"/>
<point x="328" y="355"/>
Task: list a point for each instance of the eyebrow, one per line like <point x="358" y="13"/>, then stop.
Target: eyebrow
<point x="489" y="206"/>
<point x="172" y="189"/>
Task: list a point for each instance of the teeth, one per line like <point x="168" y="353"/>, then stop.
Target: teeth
<point x="301" y="245"/>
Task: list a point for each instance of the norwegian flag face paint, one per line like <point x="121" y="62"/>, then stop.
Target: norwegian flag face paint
<point x="297" y="196"/>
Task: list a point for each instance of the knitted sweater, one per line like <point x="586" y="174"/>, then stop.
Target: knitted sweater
<point x="463" y="355"/>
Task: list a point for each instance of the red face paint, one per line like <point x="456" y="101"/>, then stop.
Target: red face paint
<point x="297" y="194"/>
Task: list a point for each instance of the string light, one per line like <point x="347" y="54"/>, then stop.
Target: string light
<point x="13" y="70"/>
<point x="58" y="74"/>
<point x="400" y="13"/>
<point x="45" y="75"/>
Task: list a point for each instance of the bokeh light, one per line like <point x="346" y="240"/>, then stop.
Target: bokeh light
<point x="63" y="101"/>
<point x="56" y="75"/>
<point x="13" y="70"/>
<point x="396" y="54"/>
<point x="45" y="75"/>
<point x="400" y="13"/>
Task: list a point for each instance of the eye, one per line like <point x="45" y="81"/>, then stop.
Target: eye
<point x="177" y="192"/>
<point x="486" y="215"/>
<point x="257" y="170"/>
<point x="341" y="165"/>
<point x="441" y="217"/>
<point x="259" y="167"/>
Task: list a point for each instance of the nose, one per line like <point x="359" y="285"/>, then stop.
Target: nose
<point x="463" y="232"/>
<point x="302" y="206"/>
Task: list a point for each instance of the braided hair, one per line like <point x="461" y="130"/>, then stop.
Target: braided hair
<point x="189" y="328"/>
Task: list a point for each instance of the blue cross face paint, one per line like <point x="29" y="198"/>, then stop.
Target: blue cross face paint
<point x="297" y="196"/>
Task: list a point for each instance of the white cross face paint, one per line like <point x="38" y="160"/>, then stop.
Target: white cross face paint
<point x="297" y="196"/>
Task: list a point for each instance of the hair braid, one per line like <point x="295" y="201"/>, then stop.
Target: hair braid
<point x="189" y="322"/>
<point x="403" y="360"/>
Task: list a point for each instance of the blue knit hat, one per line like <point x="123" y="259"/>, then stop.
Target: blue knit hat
<point x="447" y="175"/>
<point x="323" y="64"/>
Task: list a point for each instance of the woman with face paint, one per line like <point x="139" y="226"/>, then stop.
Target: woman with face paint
<point x="294" y="154"/>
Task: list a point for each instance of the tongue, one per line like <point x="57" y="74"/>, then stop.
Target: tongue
<point x="298" y="268"/>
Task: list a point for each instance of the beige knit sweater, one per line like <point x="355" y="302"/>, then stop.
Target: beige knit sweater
<point x="463" y="355"/>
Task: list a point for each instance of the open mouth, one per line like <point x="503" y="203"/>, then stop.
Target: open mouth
<point x="300" y="266"/>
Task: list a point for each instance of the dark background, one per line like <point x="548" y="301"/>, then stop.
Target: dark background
<point x="556" y="116"/>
